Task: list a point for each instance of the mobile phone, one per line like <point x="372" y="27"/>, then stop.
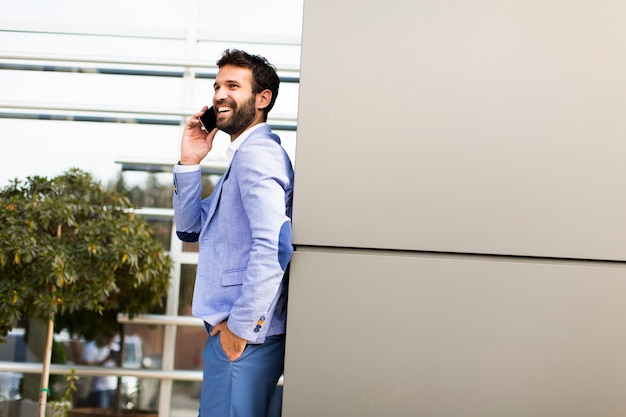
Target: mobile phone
<point x="208" y="120"/>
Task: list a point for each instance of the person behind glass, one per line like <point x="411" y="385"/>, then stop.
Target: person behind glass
<point x="102" y="352"/>
<point x="244" y="234"/>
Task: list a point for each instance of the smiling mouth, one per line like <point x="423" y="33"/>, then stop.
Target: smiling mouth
<point x="222" y="110"/>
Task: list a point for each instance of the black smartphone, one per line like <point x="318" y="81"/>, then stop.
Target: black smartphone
<point x="208" y="120"/>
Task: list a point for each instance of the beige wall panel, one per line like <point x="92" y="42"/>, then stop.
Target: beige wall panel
<point x="382" y="334"/>
<point x="489" y="126"/>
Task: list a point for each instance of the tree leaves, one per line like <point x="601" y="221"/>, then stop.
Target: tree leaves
<point x="68" y="245"/>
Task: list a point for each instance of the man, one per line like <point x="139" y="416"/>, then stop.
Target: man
<point x="102" y="352"/>
<point x="244" y="230"/>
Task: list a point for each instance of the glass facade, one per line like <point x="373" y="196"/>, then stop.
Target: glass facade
<point x="105" y="87"/>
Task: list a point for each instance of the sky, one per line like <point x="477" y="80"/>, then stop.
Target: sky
<point x="40" y="27"/>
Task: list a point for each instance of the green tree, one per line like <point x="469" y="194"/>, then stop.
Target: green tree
<point x="69" y="247"/>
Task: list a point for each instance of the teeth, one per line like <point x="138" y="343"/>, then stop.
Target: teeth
<point x="223" y="109"/>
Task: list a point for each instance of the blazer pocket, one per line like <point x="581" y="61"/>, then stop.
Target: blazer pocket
<point x="233" y="277"/>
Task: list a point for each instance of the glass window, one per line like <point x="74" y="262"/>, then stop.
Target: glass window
<point x="186" y="398"/>
<point x="190" y="342"/>
<point x="144" y="395"/>
<point x="187" y="282"/>
<point x="92" y="89"/>
<point x="96" y="107"/>
<point x="89" y="16"/>
<point x="146" y="344"/>
<point x="145" y="189"/>
<point x="55" y="146"/>
<point x="259" y="18"/>
<point x="162" y="229"/>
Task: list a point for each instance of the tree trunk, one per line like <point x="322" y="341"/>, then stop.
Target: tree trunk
<point x="119" y="364"/>
<point x="45" y="375"/>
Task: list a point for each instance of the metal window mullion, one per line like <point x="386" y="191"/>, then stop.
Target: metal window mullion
<point x="84" y="370"/>
<point x="50" y="28"/>
<point x="94" y="59"/>
<point x="182" y="113"/>
<point x="169" y="339"/>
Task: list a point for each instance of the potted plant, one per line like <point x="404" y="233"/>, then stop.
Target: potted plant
<point x="68" y="247"/>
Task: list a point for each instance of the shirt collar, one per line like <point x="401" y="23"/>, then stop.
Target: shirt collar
<point x="234" y="145"/>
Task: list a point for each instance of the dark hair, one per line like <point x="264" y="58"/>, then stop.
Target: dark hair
<point x="264" y="75"/>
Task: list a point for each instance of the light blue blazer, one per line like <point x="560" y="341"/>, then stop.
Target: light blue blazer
<point x="244" y="230"/>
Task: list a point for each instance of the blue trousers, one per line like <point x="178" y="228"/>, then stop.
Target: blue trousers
<point x="244" y="387"/>
<point x="102" y="399"/>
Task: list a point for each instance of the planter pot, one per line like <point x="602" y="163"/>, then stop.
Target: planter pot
<point x="108" y="412"/>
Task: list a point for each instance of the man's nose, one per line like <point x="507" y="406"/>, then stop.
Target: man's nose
<point x="219" y="95"/>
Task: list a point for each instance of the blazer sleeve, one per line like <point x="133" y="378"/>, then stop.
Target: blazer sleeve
<point x="187" y="205"/>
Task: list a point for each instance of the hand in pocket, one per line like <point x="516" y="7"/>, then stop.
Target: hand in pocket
<point x="232" y="344"/>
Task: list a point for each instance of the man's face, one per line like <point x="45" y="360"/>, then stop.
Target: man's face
<point x="233" y="100"/>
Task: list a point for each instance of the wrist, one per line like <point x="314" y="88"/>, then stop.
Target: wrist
<point x="187" y="162"/>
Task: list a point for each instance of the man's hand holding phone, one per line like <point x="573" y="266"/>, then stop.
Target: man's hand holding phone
<point x="197" y="142"/>
<point x="208" y="120"/>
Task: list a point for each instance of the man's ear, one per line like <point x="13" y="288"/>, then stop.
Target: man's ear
<point x="263" y="99"/>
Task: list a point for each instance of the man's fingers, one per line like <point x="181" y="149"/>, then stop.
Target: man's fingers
<point x="216" y="329"/>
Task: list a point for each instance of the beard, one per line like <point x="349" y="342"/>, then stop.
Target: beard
<point x="241" y="118"/>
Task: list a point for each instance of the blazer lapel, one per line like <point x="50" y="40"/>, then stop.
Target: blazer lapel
<point x="263" y="132"/>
